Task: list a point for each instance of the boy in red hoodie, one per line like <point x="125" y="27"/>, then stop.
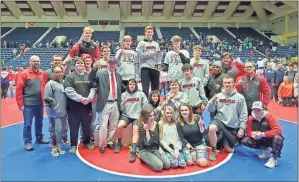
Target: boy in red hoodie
<point x="264" y="131"/>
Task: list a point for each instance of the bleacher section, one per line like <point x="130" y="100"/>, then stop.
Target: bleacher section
<point x="220" y="33"/>
<point x="4" y="30"/>
<point x="106" y="35"/>
<point x="72" y="33"/>
<point x="22" y="35"/>
<point x="45" y="55"/>
<point x="135" y="31"/>
<point x="168" y="32"/>
<point x="6" y="54"/>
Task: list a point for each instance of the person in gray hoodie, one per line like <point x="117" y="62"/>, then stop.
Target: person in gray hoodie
<point x="230" y="117"/>
<point x="149" y="56"/>
<point x="55" y="101"/>
<point x="131" y="103"/>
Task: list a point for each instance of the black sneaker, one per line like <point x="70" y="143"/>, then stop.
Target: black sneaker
<point x="118" y="147"/>
<point x="42" y="141"/>
<point x="132" y="157"/>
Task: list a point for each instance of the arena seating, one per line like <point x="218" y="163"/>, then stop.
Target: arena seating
<point x="134" y="31"/>
<point x="106" y="36"/>
<point x="168" y="32"/>
<point x="4" y="30"/>
<point x="28" y="36"/>
<point x="6" y="54"/>
<point x="72" y="33"/>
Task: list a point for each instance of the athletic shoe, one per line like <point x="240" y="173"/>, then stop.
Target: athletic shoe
<point x="28" y="147"/>
<point x="118" y="147"/>
<point x="55" y="152"/>
<point x="132" y="157"/>
<point x="42" y="141"/>
<point x="212" y="156"/>
<point x="265" y="153"/>
<point x="61" y="151"/>
<point x="271" y="163"/>
<point x="89" y="146"/>
<point x="73" y="150"/>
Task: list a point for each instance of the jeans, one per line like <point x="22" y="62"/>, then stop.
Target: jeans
<point x="29" y="113"/>
<point x="199" y="153"/>
<point x="176" y="162"/>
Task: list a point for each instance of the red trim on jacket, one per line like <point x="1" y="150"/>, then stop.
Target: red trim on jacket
<point x="274" y="125"/>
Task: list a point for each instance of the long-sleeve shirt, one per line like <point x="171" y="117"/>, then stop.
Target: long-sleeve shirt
<point x="131" y="103"/>
<point x="170" y="136"/>
<point x="201" y="69"/>
<point x="285" y="90"/>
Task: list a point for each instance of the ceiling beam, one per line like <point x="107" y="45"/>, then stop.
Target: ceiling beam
<point x="233" y="5"/>
<point x="284" y="13"/>
<point x="168" y="8"/>
<point x="81" y="8"/>
<point x="103" y="5"/>
<point x="125" y="8"/>
<point x="13" y="8"/>
<point x="36" y="8"/>
<point x="59" y="8"/>
<point x="248" y="12"/>
<point x="292" y="4"/>
<point x="209" y="11"/>
<point x="260" y="12"/>
<point x="189" y="9"/>
<point x="147" y="8"/>
<point x="271" y="7"/>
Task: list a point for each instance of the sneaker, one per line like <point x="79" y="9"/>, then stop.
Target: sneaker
<point x="61" y="151"/>
<point x="73" y="150"/>
<point x="271" y="163"/>
<point x="265" y="153"/>
<point x="212" y="156"/>
<point x="132" y="157"/>
<point x="55" y="152"/>
<point x="89" y="146"/>
<point x="118" y="147"/>
<point x="42" y="141"/>
<point x="28" y="147"/>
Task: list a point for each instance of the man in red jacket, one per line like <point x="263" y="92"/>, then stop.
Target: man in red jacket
<point x="30" y="98"/>
<point x="253" y="87"/>
<point x="264" y="131"/>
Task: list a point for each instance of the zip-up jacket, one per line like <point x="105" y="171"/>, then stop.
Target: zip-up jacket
<point x="254" y="89"/>
<point x="30" y="87"/>
<point x="268" y="125"/>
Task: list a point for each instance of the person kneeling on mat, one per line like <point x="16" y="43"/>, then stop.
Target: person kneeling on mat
<point x="190" y="129"/>
<point x="131" y="103"/>
<point x="264" y="131"/>
<point x="150" y="152"/>
<point x="230" y="117"/>
<point x="170" y="140"/>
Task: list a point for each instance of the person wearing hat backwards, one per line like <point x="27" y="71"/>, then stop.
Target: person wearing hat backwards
<point x="264" y="131"/>
<point x="108" y="84"/>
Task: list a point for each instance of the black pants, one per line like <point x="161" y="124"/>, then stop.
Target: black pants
<point x="4" y="89"/>
<point x="76" y="117"/>
<point x="124" y="85"/>
<point x="149" y="76"/>
<point x="287" y="101"/>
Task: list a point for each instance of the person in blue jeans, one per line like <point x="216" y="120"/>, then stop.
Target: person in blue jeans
<point x="170" y="140"/>
<point x="29" y="96"/>
<point x="190" y="129"/>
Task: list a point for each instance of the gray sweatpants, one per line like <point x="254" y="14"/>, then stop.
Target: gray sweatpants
<point x="155" y="160"/>
<point x="58" y="129"/>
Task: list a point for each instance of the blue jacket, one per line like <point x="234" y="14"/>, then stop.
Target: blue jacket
<point x="277" y="78"/>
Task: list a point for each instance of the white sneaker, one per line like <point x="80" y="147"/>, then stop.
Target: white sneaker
<point x="265" y="153"/>
<point x="271" y="163"/>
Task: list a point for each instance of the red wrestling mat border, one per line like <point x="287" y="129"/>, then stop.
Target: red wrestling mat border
<point x="119" y="164"/>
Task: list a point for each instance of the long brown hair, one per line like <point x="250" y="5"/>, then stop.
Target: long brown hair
<point x="143" y="116"/>
<point x="191" y="116"/>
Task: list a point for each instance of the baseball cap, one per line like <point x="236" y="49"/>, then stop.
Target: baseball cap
<point x="257" y="105"/>
<point x="112" y="60"/>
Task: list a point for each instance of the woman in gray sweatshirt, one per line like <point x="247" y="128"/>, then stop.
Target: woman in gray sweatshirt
<point x="131" y="103"/>
<point x="170" y="140"/>
<point x="55" y="100"/>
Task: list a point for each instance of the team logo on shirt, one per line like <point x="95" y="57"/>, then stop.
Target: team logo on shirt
<point x="197" y="65"/>
<point x="128" y="58"/>
<point x="227" y="101"/>
<point x="81" y="81"/>
<point x="175" y="59"/>
<point x="188" y="86"/>
<point x="150" y="48"/>
<point x="132" y="100"/>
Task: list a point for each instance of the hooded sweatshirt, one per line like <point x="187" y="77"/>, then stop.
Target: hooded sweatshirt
<point x="201" y="69"/>
<point x="267" y="124"/>
<point x="230" y="109"/>
<point x="127" y="60"/>
<point x="145" y="55"/>
<point x="175" y="64"/>
<point x="55" y="99"/>
<point x="131" y="103"/>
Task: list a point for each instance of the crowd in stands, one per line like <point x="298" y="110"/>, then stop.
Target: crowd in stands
<point x="102" y="94"/>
